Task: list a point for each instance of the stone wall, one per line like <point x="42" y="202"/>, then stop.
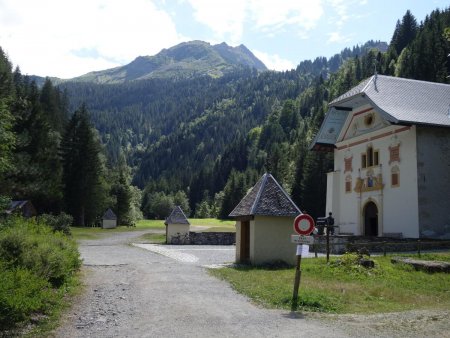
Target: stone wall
<point x="206" y="238"/>
<point x="342" y="244"/>
<point x="433" y="164"/>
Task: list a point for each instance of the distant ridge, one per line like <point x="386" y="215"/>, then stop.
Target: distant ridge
<point x="185" y="60"/>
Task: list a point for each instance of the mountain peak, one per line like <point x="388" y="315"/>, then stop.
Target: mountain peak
<point x="185" y="60"/>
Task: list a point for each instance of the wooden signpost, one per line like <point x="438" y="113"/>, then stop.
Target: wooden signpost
<point x="304" y="226"/>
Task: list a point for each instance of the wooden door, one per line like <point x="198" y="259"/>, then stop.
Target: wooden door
<point x="245" y="242"/>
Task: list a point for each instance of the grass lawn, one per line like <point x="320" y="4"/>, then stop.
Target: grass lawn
<point x="344" y="287"/>
<point x="214" y="224"/>
<point x="93" y="233"/>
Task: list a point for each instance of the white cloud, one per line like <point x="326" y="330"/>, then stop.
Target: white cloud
<point x="224" y="18"/>
<point x="228" y="18"/>
<point x="274" y="61"/>
<point x="275" y="15"/>
<point x="43" y="37"/>
<point x="344" y="11"/>
<point x="337" y="37"/>
<point x="341" y="9"/>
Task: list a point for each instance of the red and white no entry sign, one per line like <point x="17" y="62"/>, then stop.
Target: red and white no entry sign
<point x="303" y="224"/>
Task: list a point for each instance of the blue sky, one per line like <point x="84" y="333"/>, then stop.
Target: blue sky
<point x="70" y="38"/>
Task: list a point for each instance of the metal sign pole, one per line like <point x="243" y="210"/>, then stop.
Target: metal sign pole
<point x="328" y="244"/>
<point x="298" y="274"/>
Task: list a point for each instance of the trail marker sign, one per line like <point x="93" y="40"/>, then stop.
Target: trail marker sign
<point x="304" y="224"/>
<point x="302" y="239"/>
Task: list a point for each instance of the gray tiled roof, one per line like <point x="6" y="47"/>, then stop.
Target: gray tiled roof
<point x="354" y="91"/>
<point x="17" y="204"/>
<point x="177" y="216"/>
<point x="266" y="198"/>
<point x="404" y="100"/>
<point x="109" y="214"/>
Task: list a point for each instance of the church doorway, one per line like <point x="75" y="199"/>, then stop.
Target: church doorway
<point x="370" y="219"/>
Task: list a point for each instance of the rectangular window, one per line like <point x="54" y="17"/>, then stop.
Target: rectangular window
<point x="395" y="179"/>
<point x="376" y="157"/>
<point x="348" y="164"/>
<point x="348" y="186"/>
<point x="370" y="157"/>
<point x="363" y="161"/>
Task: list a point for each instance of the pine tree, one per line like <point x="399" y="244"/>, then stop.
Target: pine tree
<point x="7" y="139"/>
<point x="123" y="200"/>
<point x="6" y="79"/>
<point x="37" y="170"/>
<point x="405" y="32"/>
<point x="83" y="192"/>
<point x="53" y="106"/>
<point x="234" y="191"/>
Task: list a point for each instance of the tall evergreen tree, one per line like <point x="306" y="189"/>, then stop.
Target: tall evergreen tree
<point x="7" y="139"/>
<point x="54" y="105"/>
<point x="405" y="32"/>
<point x="6" y="78"/>
<point x="37" y="171"/>
<point x="7" y="136"/>
<point x="80" y="150"/>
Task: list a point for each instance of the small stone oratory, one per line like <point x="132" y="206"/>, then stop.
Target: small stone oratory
<point x="109" y="220"/>
<point x="264" y="224"/>
<point x="177" y="225"/>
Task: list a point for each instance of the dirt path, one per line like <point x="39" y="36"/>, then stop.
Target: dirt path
<point x="135" y="292"/>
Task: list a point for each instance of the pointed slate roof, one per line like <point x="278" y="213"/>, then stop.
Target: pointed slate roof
<point x="109" y="214"/>
<point x="266" y="198"/>
<point x="177" y="216"/>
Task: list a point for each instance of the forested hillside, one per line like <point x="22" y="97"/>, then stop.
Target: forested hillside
<point x="200" y="141"/>
<point x="212" y="138"/>
<point x="182" y="134"/>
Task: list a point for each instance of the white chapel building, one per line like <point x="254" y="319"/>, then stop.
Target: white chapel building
<point x="391" y="142"/>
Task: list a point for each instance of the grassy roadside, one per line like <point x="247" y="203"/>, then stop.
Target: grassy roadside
<point x="39" y="272"/>
<point x="65" y="299"/>
<point x="344" y="287"/>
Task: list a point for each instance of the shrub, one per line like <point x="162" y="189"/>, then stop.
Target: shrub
<point x="22" y="293"/>
<point x="34" y="263"/>
<point x="33" y="246"/>
<point x="352" y="263"/>
<point x="61" y="222"/>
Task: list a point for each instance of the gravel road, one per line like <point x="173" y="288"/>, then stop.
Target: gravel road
<point x="165" y="291"/>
